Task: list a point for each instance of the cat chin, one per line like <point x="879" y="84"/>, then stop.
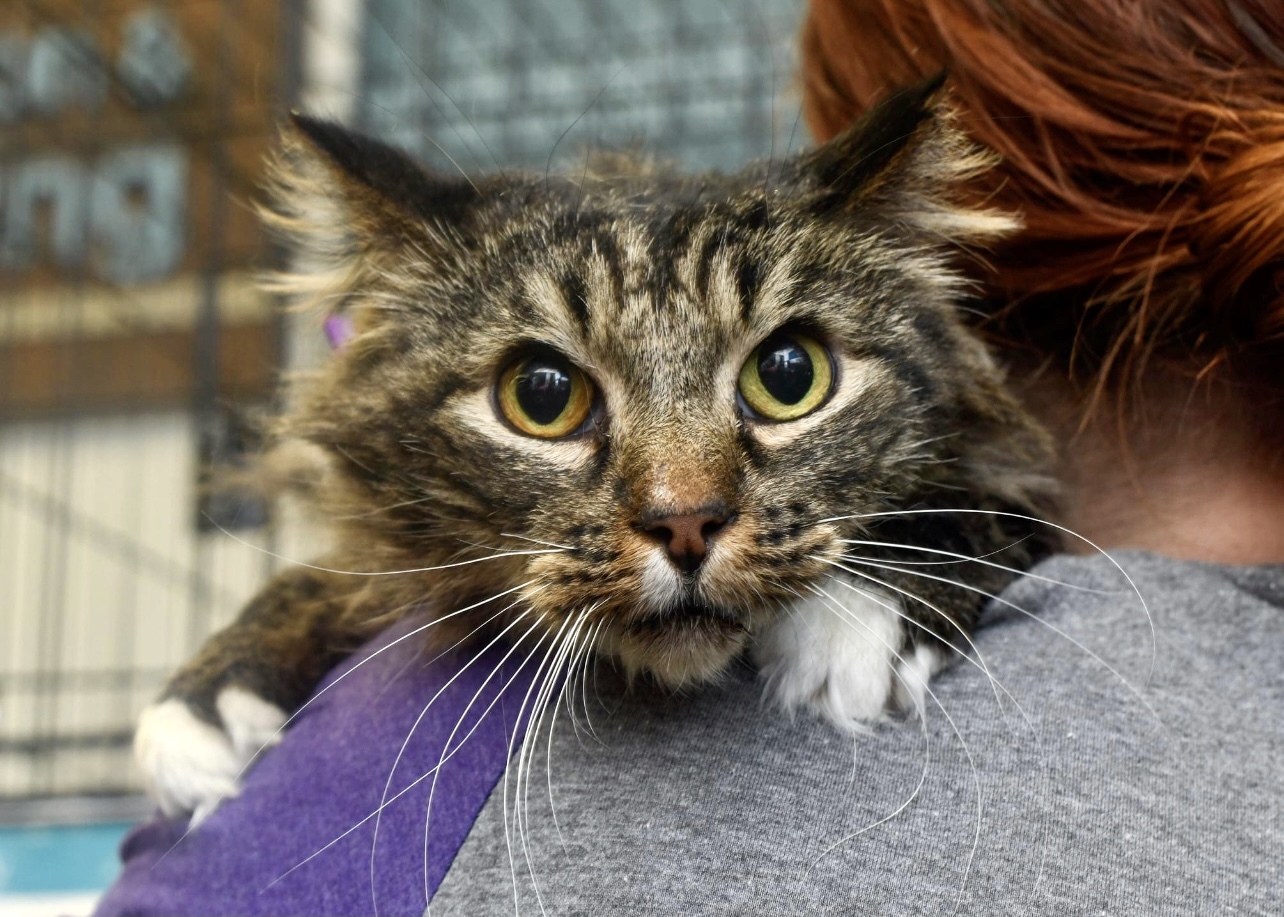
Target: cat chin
<point x="679" y="656"/>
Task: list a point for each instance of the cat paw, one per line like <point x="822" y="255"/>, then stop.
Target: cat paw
<point x="190" y="765"/>
<point x="844" y="656"/>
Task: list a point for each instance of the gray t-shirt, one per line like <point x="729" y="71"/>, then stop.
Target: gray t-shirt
<point x="1077" y="790"/>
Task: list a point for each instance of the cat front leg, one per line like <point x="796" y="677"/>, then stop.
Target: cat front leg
<point x="233" y="698"/>
<point x="847" y="654"/>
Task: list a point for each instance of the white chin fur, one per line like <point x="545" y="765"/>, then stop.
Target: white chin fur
<point x="844" y="657"/>
<point x="191" y="766"/>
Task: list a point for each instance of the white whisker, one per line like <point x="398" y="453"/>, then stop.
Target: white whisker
<point x="1029" y="614"/>
<point x="927" y="750"/>
<point x="551" y="544"/>
<point x="525" y="755"/>
<point x="976" y="777"/>
<point x="508" y="842"/>
<point x="447" y="752"/>
<point x="410" y="786"/>
<point x="979" y="559"/>
<point x="387" y="786"/>
<point x="1154" y="640"/>
<point x="979" y="662"/>
<point x="319" y="568"/>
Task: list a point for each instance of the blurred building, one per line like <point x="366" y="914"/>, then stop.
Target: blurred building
<point x="135" y="350"/>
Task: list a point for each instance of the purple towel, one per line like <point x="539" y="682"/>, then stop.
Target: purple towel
<point x="326" y="779"/>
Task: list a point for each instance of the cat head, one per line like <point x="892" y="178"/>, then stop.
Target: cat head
<point x="662" y="399"/>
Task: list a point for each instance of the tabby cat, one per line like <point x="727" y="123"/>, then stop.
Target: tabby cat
<point x="687" y="418"/>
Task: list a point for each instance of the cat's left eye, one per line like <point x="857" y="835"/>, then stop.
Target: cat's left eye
<point x="787" y="376"/>
<point x="544" y="395"/>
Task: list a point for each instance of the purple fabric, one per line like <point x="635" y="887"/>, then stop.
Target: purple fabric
<point x="327" y="777"/>
<point x="338" y="331"/>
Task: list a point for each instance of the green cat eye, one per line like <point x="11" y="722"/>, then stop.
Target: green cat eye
<point x="787" y="376"/>
<point x="544" y="395"/>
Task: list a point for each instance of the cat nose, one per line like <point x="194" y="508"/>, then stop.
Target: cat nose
<point x="686" y="536"/>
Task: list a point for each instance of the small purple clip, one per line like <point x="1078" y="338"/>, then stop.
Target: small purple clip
<point x="338" y="331"/>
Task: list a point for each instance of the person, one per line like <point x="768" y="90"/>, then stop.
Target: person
<point x="1098" y="753"/>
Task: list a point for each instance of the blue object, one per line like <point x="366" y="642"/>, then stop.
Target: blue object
<point x="62" y="858"/>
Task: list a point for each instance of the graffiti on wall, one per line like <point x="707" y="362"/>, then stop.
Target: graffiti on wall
<point x="122" y="214"/>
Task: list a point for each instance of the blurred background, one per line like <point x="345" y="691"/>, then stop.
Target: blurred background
<point x="136" y="352"/>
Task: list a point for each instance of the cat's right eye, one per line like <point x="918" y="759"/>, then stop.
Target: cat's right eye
<point x="544" y="395"/>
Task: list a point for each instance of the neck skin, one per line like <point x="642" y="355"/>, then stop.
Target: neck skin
<point x="1184" y="470"/>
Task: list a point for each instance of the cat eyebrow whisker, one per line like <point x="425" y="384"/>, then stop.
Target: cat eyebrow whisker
<point x="976" y="775"/>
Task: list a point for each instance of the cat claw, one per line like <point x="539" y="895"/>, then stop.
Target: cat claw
<point x="190" y="765"/>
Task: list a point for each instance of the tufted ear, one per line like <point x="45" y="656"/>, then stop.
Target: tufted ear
<point x="350" y="209"/>
<point x="373" y="175"/>
<point x="905" y="159"/>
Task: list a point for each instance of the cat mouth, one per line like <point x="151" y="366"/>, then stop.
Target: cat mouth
<point x="692" y="612"/>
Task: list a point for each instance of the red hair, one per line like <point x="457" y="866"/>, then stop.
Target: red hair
<point x="1142" y="142"/>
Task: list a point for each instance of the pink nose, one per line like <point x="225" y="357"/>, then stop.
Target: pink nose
<point x="686" y="536"/>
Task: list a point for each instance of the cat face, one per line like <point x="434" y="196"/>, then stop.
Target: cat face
<point x="666" y="399"/>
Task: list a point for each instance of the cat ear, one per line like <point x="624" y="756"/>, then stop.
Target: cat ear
<point x="348" y="206"/>
<point x="902" y="160"/>
<point x="380" y="182"/>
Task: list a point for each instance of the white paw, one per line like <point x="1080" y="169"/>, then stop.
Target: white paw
<point x="844" y="657"/>
<point x="191" y="766"/>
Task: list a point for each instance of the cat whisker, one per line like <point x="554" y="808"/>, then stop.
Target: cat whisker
<point x="321" y="569"/>
<point x="1132" y="689"/>
<point x="590" y="659"/>
<point x="508" y="823"/>
<point x="551" y="544"/>
<point x="387" y="786"/>
<point x="271" y="740"/>
<point x="979" y="662"/>
<point x="967" y="751"/>
<point x="980" y="559"/>
<point x="956" y="558"/>
<point x="447" y="752"/>
<point x="581" y="648"/>
<point x="1154" y="640"/>
<point x="554" y="682"/>
<point x="414" y="783"/>
<point x="348" y="517"/>
<point x="927" y="747"/>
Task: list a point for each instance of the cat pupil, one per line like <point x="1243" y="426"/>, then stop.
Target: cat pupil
<point x="543" y="390"/>
<point x="785" y="370"/>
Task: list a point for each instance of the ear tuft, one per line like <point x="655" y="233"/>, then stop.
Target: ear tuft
<point x="366" y="163"/>
<point x="906" y="159"/>
<point x="350" y="207"/>
<point x="853" y="162"/>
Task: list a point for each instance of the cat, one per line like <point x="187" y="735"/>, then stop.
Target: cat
<point x="696" y="417"/>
